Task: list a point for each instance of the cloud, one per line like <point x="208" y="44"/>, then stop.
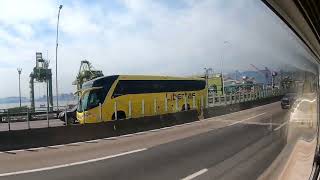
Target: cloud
<point x="17" y="11"/>
<point x="141" y="37"/>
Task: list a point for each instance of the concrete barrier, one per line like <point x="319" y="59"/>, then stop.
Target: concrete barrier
<point x="23" y="139"/>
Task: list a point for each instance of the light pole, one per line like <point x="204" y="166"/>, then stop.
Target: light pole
<point x="19" y="72"/>
<point x="224" y="43"/>
<point x="57" y="37"/>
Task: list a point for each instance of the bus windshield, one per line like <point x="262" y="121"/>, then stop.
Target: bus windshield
<point x="91" y="99"/>
<point x="94" y="92"/>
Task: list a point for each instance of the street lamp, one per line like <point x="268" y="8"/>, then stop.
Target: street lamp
<point x="224" y="43"/>
<point x="57" y="92"/>
<point x="19" y="72"/>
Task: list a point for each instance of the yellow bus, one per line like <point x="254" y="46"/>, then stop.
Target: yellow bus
<point x="132" y="96"/>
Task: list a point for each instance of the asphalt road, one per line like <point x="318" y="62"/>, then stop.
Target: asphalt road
<point x="236" y="146"/>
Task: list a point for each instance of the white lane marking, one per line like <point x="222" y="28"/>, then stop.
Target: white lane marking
<point x="111" y="138"/>
<point x="282" y="125"/>
<point x="56" y="146"/>
<point x="192" y="176"/>
<point x="246" y="119"/>
<point x="75" y="144"/>
<point x="35" y="149"/>
<point x="13" y="151"/>
<point x="71" y="164"/>
<point x="139" y="133"/>
<point x="93" y="141"/>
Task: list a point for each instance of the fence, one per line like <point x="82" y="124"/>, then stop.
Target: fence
<point x="226" y="99"/>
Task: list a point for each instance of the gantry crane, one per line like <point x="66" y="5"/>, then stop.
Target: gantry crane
<point x="42" y="74"/>
<point x="86" y="73"/>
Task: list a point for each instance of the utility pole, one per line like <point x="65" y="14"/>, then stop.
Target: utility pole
<point x="57" y="37"/>
<point x="224" y="43"/>
<point x="19" y="72"/>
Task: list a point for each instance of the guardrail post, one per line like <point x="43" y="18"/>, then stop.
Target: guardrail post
<point x="65" y="116"/>
<point x="193" y="102"/>
<point x="177" y="104"/>
<point x="100" y="112"/>
<point x="115" y="111"/>
<point x="142" y="107"/>
<point x="130" y="109"/>
<point x="270" y="127"/>
<point x="48" y="117"/>
<point x="213" y="98"/>
<point x="201" y="102"/>
<point x="165" y="104"/>
<point x="269" y="93"/>
<point x="185" y="102"/>
<point x="207" y="100"/>
<point x="84" y="117"/>
<point x="28" y="118"/>
<point x="155" y="106"/>
<point x="8" y="119"/>
<point x="233" y="98"/>
<point x="225" y="99"/>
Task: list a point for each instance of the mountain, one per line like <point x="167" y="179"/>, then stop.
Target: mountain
<point x="259" y="77"/>
<point x="62" y="97"/>
<point x="13" y="100"/>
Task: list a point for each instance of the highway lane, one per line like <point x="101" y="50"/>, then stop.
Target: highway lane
<point x="170" y="154"/>
<point x="173" y="160"/>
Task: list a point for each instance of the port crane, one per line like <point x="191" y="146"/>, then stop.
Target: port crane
<point x="267" y="74"/>
<point x="86" y="73"/>
<point x="41" y="73"/>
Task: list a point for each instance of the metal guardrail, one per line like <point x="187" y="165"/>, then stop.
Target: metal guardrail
<point x="226" y="99"/>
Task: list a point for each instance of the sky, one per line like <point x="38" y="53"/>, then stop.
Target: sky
<point x="158" y="37"/>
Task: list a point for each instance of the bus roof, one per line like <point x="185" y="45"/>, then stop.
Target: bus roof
<point x="150" y="77"/>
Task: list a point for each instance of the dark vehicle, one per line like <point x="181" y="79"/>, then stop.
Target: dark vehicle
<point x="71" y="115"/>
<point x="287" y="101"/>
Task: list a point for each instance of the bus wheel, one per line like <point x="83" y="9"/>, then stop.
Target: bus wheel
<point x="70" y="120"/>
<point x="188" y="107"/>
<point x="120" y="115"/>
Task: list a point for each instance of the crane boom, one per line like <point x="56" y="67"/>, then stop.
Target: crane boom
<point x="86" y="73"/>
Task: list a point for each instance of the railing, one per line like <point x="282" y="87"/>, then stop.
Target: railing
<point x="226" y="99"/>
